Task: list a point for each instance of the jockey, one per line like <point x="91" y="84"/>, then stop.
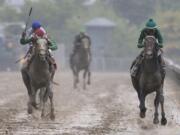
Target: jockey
<point x="37" y="31"/>
<point x="150" y="30"/>
<point x="79" y="39"/>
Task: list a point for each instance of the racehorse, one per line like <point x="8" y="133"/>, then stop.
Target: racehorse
<point x="150" y="79"/>
<point x="80" y="60"/>
<point x="39" y="76"/>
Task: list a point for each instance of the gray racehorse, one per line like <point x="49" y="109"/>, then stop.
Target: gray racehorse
<point x="150" y="79"/>
<point x="39" y="76"/>
<point x="81" y="60"/>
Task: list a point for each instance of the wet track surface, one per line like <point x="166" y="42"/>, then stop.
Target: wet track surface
<point x="108" y="107"/>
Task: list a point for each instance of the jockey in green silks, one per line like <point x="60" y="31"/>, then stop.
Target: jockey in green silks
<point x="149" y="30"/>
<point x="36" y="31"/>
<point x="78" y="41"/>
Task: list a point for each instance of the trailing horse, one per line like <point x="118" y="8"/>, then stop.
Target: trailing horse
<point x="39" y="76"/>
<point x="150" y="79"/>
<point x="80" y="60"/>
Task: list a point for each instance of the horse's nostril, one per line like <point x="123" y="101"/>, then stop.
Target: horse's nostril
<point x="149" y="53"/>
<point x="42" y="53"/>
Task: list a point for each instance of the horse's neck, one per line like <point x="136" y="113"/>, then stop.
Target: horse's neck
<point x="81" y="52"/>
<point x="151" y="66"/>
<point x="39" y="65"/>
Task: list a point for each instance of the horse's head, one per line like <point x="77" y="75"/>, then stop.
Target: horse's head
<point x="82" y="46"/>
<point x="85" y="43"/>
<point x="41" y="48"/>
<point x="150" y="49"/>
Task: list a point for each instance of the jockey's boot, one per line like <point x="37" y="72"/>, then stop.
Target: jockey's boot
<point x="134" y="70"/>
<point x="29" y="60"/>
<point x="53" y="66"/>
<point x="163" y="65"/>
<point x="52" y="61"/>
<point x="137" y="63"/>
<point x="28" y="57"/>
<point x="24" y="66"/>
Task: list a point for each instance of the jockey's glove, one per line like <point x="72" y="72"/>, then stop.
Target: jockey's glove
<point x="50" y="50"/>
<point x="140" y="45"/>
<point x="23" y="34"/>
<point x="160" y="45"/>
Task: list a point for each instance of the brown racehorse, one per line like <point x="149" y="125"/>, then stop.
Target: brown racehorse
<point x="39" y="76"/>
<point x="81" y="60"/>
<point x="150" y="79"/>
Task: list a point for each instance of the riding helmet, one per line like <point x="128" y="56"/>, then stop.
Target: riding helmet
<point x="36" y="25"/>
<point x="151" y="24"/>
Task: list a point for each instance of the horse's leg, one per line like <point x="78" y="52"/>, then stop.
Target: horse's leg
<point x="41" y="95"/>
<point x="142" y="104"/>
<point x="89" y="77"/>
<point x="75" y="75"/>
<point x="163" y="119"/>
<point x="33" y="97"/>
<point x="43" y="108"/>
<point x="32" y="102"/>
<point x="52" y="116"/>
<point x="31" y="90"/>
<point x="44" y="99"/>
<point x="156" y="104"/>
<point x="84" y="79"/>
<point x="26" y="81"/>
<point x="75" y="84"/>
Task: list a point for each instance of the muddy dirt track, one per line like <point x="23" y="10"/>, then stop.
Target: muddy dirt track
<point x="108" y="107"/>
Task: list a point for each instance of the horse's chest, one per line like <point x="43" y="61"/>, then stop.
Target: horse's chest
<point x="40" y="76"/>
<point x="151" y="81"/>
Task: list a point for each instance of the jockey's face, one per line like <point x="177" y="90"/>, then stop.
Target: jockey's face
<point x="34" y="30"/>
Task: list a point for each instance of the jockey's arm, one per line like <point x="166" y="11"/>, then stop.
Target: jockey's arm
<point x="160" y="39"/>
<point x="52" y="45"/>
<point x="25" y="40"/>
<point x="140" y="40"/>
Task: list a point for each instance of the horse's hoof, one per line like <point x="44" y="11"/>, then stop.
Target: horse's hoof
<point x="42" y="115"/>
<point x="75" y="86"/>
<point x="34" y="105"/>
<point x="52" y="117"/>
<point x="30" y="111"/>
<point x="142" y="114"/>
<point x="163" y="121"/>
<point x="88" y="83"/>
<point x="156" y="121"/>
